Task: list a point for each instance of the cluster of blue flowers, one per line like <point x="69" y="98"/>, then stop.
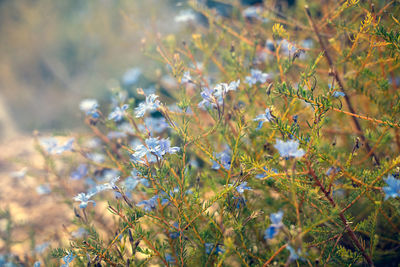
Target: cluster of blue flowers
<point x="154" y="149"/>
<point x="257" y="76"/>
<point x="52" y="146"/>
<point x="85" y="198"/>
<point x="215" y="97"/>
<point x="289" y="149"/>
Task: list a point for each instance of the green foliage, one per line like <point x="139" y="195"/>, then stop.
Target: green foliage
<point x="232" y="195"/>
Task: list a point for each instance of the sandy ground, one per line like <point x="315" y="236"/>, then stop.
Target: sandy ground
<point x="43" y="215"/>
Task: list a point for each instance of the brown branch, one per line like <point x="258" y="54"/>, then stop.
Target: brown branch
<point x="341" y="85"/>
<point x="341" y="214"/>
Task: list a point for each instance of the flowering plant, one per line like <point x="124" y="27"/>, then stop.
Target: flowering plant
<point x="262" y="151"/>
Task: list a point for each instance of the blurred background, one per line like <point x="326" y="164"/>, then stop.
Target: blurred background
<point x="55" y="53"/>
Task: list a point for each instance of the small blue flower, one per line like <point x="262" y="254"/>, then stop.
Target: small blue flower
<point x="165" y="145"/>
<point x="295" y="118"/>
<point x="221" y="89"/>
<point x="215" y="248"/>
<point x="265" y="117"/>
<point x="338" y="94"/>
<point x="52" y="147"/>
<point x="154" y="148"/>
<point x="96" y="157"/>
<point x="84" y="199"/>
<point x="36" y="264"/>
<point x="294" y="255"/>
<point x="131" y="76"/>
<point x="393" y="188"/>
<point x="243" y="186"/>
<point x="240" y="201"/>
<point x="271" y="232"/>
<point x="107" y="186"/>
<point x="19" y="174"/>
<point x="175" y="234"/>
<point x="43" y="189"/>
<point x="132" y="181"/>
<point x="169" y="258"/>
<point x="186" y="77"/>
<point x="256" y="76"/>
<point x="289" y="149"/>
<point x="154" y="125"/>
<point x="118" y="113"/>
<point x="185" y="15"/>
<point x="150" y="204"/>
<point x="215" y="97"/>
<point x="151" y="104"/>
<point x="80" y="172"/>
<point x="224" y="158"/>
<point x="90" y="107"/>
<point x="265" y="174"/>
<point x="68" y="259"/>
<point x="209" y="99"/>
<point x="276" y="224"/>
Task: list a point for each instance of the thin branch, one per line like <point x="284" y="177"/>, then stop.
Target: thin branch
<point x="341" y="85"/>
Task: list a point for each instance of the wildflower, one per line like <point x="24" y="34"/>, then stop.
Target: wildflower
<point x="289" y="149"/>
<point x="165" y="145"/>
<point x="19" y="174"/>
<point x="256" y="76"/>
<point x="96" y="157"/>
<point x="393" y="188"/>
<point x="295" y="118"/>
<point x="265" y="174"/>
<point x="240" y="201"/>
<point x="131" y="76"/>
<point x="338" y="94"/>
<point x="85" y="199"/>
<point x="52" y="147"/>
<point x="186" y="77"/>
<point x="209" y="99"/>
<point x="185" y="16"/>
<point x="154" y="125"/>
<point x="276" y="224"/>
<point x="107" y="186"/>
<point x="265" y="117"/>
<point x="222" y="89"/>
<point x="90" y="106"/>
<point x="68" y="259"/>
<point x="149" y="204"/>
<point x="210" y="247"/>
<point x="153" y="149"/>
<point x="43" y="189"/>
<point x="243" y="186"/>
<point x="132" y="181"/>
<point x="80" y="172"/>
<point x="151" y="103"/>
<point x="215" y="97"/>
<point x="294" y="255"/>
<point x="169" y="258"/>
<point x="224" y="158"/>
<point x="175" y="234"/>
<point x="118" y="113"/>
